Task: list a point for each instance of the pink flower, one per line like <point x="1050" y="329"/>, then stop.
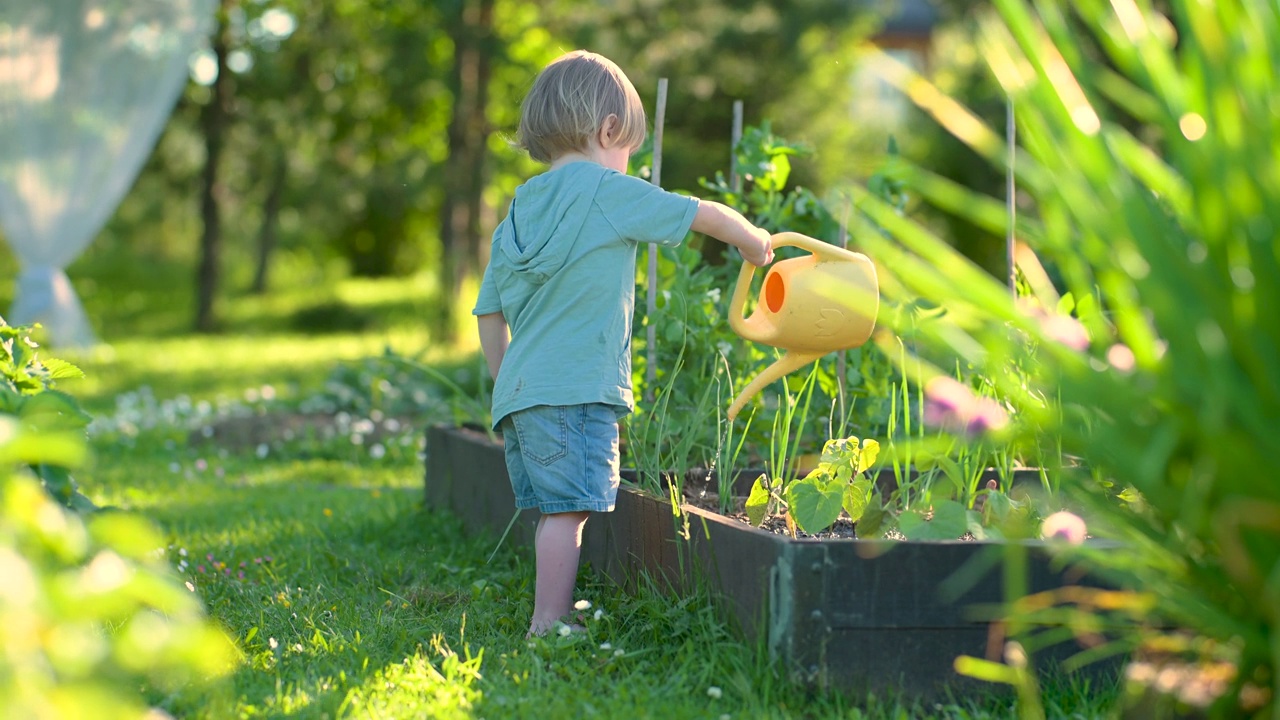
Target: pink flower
<point x="1063" y="525"/>
<point x="1121" y="357"/>
<point x="1063" y="329"/>
<point x="951" y="406"/>
<point x="1066" y="330"/>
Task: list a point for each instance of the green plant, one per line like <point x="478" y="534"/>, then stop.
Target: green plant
<point x="692" y="370"/>
<point x="664" y="438"/>
<point x="770" y="489"/>
<point x="815" y="501"/>
<point x="1172" y="227"/>
<point x="27" y="393"/>
<point x="764" y="162"/>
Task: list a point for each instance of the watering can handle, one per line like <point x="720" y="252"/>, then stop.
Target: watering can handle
<point x="825" y="251"/>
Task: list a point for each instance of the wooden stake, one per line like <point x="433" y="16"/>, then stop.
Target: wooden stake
<point x="842" y="239"/>
<point x="651" y="367"/>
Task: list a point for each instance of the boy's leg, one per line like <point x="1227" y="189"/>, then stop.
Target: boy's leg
<point x="558" y="543"/>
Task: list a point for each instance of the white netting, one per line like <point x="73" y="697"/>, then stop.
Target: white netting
<point x="85" y="88"/>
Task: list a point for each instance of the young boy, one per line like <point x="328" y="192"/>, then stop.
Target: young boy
<point x="556" y="303"/>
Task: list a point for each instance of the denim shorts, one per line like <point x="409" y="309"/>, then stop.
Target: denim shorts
<point x="563" y="458"/>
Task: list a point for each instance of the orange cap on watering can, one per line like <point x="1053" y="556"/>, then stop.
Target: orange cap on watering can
<point x="809" y="306"/>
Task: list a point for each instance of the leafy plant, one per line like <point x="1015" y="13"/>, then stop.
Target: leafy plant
<point x="27" y="393"/>
<point x="816" y="500"/>
<point x="770" y="489"/>
<point x="764" y="162"/>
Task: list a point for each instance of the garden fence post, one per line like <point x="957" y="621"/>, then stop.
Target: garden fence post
<point x="842" y="239"/>
<point x="651" y="368"/>
<point x="735" y="137"/>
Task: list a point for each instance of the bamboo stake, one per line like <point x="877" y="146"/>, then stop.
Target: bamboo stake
<point x="651" y="368"/>
<point x="842" y="239"/>
<point x="735" y="182"/>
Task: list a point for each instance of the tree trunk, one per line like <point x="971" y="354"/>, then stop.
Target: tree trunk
<point x="214" y="120"/>
<point x="270" y="222"/>
<point x="461" y="212"/>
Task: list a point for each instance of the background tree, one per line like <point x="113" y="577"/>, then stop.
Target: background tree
<point x="214" y="120"/>
<point x="370" y="136"/>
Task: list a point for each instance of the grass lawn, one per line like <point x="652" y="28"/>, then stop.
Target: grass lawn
<point x="344" y="595"/>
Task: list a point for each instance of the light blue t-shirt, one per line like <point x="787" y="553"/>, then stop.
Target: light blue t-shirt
<point x="562" y="272"/>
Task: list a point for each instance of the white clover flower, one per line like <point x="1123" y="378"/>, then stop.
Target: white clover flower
<point x="377" y="451"/>
<point x="262" y="450"/>
<point x="606" y="646"/>
<point x="271" y="642"/>
<point x="714" y="692"/>
<point x="599" y="614"/>
<point x="582" y="605"/>
<point x="618" y="653"/>
<point x="564" y="630"/>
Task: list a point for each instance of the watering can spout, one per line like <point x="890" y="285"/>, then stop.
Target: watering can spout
<point x="809" y="306"/>
<point x="788" y="363"/>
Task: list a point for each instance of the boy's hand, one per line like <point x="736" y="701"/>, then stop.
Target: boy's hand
<point x="759" y="251"/>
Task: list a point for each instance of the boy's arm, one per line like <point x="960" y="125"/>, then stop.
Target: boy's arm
<point x="729" y="226"/>
<point x="494" y="337"/>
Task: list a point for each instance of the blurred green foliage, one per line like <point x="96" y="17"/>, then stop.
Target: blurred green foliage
<point x="1147" y="140"/>
<point x="88" y="607"/>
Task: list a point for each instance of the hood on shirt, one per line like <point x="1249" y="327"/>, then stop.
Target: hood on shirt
<point x="545" y="219"/>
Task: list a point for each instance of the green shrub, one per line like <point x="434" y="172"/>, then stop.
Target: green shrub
<point x="27" y="393"/>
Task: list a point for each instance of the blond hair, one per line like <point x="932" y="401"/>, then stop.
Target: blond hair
<point x="569" y="103"/>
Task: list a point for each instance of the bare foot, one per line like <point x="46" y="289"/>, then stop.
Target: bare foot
<point x="564" y="629"/>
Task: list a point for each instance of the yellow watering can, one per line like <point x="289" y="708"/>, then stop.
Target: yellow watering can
<point x="809" y="306"/>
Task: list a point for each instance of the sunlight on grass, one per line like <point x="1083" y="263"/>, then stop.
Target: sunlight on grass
<point x="210" y="367"/>
<point x="266" y="348"/>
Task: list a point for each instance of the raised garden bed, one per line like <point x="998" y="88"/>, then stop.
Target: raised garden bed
<point x="864" y="615"/>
